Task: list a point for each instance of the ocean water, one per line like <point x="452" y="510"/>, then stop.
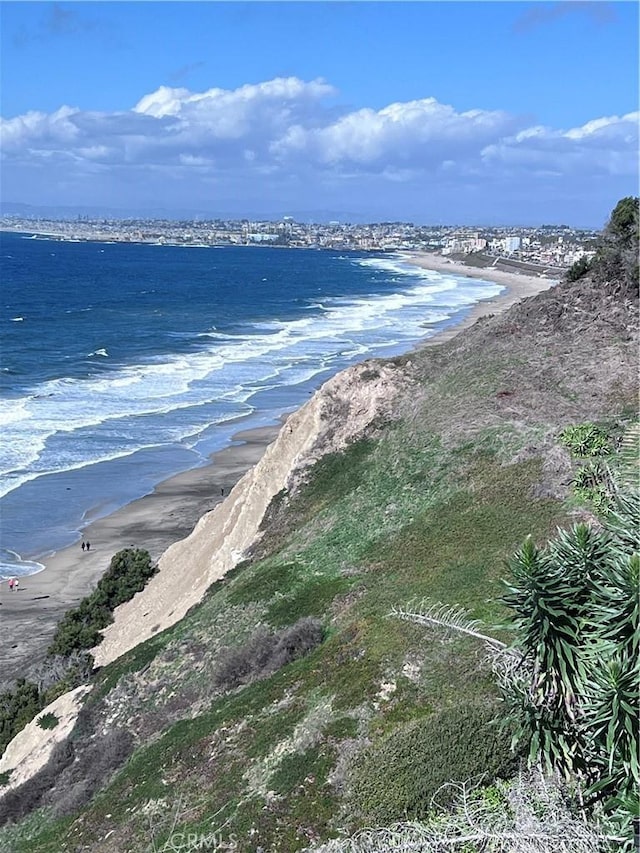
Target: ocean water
<point x="122" y="364"/>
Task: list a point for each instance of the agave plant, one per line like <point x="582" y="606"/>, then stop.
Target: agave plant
<point x="550" y="607"/>
<point x="577" y="614"/>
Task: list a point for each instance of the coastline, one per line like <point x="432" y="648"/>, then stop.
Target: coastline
<point x="170" y="512"/>
<point x="153" y="522"/>
<point x="517" y="286"/>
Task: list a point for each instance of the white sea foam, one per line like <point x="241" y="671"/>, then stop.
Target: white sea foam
<point x="65" y="424"/>
<point x="12" y="566"/>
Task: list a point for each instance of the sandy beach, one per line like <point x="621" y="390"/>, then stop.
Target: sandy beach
<point x="517" y="287"/>
<point x="170" y="512"/>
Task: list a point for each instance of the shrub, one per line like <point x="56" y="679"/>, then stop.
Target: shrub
<point x="398" y="777"/>
<point x="80" y="627"/>
<point x="17" y="708"/>
<point x="616" y="262"/>
<point x="58" y="674"/>
<point x="590" y="483"/>
<point x="579" y="269"/>
<point x="48" y="721"/>
<point x="265" y="652"/>
<point x="586" y="439"/>
<point x="574" y="695"/>
<point x="92" y="770"/>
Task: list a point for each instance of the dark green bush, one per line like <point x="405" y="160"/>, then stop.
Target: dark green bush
<point x="48" y="721"/>
<point x="53" y="677"/>
<point x="80" y="627"/>
<point x="398" y="777"/>
<point x="579" y="268"/>
<point x="616" y="262"/>
<point x="17" y="708"/>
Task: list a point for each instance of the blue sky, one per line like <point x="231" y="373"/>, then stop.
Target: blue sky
<point x="425" y="111"/>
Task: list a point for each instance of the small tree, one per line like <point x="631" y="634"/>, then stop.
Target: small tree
<point x="617" y="259"/>
<point x="579" y="268"/>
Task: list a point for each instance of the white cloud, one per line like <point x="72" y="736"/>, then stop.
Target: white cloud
<point x="287" y="133"/>
<point x="415" y="133"/>
<point x="607" y="145"/>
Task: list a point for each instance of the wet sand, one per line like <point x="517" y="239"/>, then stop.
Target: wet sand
<point x="28" y="617"/>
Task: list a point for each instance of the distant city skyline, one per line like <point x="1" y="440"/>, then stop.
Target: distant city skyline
<point x="476" y="112"/>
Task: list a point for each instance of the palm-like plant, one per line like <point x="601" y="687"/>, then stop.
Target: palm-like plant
<point x="576" y="610"/>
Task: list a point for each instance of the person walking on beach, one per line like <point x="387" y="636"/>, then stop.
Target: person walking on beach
<point x="16" y="584"/>
<point x="10" y="584"/>
<point x="88" y="546"/>
<point x="82" y="546"/>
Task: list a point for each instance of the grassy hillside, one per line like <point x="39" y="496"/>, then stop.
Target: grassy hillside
<point x="289" y="705"/>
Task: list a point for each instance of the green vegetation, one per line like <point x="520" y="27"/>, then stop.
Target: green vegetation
<point x="586" y="439"/>
<point x="399" y="776"/>
<point x="80" y="627"/>
<point x="616" y="262"/>
<point x="67" y="664"/>
<point x="594" y="444"/>
<point x="590" y="484"/>
<point x="578" y="269"/>
<point x="287" y="728"/>
<point x="288" y="707"/>
<point x="577" y="613"/>
<point x="265" y="652"/>
<point x="17" y="708"/>
<point x="48" y="721"/>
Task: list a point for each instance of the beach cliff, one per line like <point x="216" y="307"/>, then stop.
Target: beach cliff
<point x="339" y="412"/>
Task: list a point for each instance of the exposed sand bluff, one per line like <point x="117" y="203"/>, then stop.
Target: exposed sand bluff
<point x="336" y="414"/>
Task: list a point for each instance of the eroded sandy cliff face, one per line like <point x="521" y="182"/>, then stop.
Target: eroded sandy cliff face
<point x="338" y="413"/>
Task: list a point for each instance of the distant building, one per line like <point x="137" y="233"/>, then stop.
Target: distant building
<point x="259" y="237"/>
<point x="511" y="244"/>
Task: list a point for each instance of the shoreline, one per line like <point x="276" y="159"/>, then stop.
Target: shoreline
<point x="153" y="522"/>
<point x="170" y="512"/>
<point x="517" y="286"/>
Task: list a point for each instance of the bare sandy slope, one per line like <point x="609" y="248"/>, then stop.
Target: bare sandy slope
<point x="30" y="749"/>
<point x="337" y="413"/>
